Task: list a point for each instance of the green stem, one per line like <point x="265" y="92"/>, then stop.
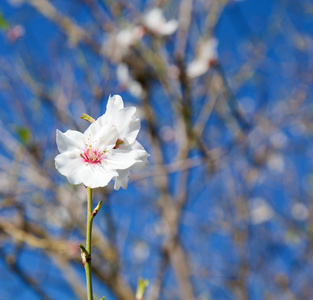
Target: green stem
<point x="88" y="244"/>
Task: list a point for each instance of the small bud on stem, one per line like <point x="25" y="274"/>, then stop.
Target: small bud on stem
<point x="84" y="254"/>
<point x="97" y="208"/>
<point x="141" y="288"/>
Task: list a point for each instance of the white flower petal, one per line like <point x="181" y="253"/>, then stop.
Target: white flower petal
<point x="135" y="88"/>
<point x="123" y="119"/>
<point x="70" y="140"/>
<point x="137" y="152"/>
<point x="154" y="20"/>
<point x="208" y="50"/>
<point x="114" y="104"/>
<point x="122" y="74"/>
<point x="140" y="165"/>
<point x="121" y="181"/>
<point x="68" y="164"/>
<point x="206" y="55"/>
<point x="260" y="211"/>
<point x="300" y="211"/>
<point x="170" y="27"/>
<point x="96" y="175"/>
<point x="119" y="159"/>
<point x="125" y="78"/>
<point x="197" y="68"/>
<point x="102" y="134"/>
<point x="125" y="37"/>
<point x="140" y="155"/>
<point x="127" y="124"/>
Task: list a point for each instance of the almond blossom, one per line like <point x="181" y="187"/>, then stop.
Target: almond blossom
<point x="155" y="22"/>
<point x="205" y="59"/>
<point x="260" y="211"/>
<point x="15" y="33"/>
<point x="119" y="43"/>
<point x="106" y="150"/>
<point x="127" y="81"/>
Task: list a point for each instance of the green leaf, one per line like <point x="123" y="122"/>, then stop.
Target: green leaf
<point x="24" y="135"/>
<point x="3" y="23"/>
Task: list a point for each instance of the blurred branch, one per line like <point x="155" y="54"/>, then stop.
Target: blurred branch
<point x="185" y="16"/>
<point x="31" y="240"/>
<point x="74" y="31"/>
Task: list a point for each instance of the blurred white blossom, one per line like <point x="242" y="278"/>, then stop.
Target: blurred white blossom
<point x="15" y="33"/>
<point x="141" y="251"/>
<point x="300" y="211"/>
<point x="155" y="22"/>
<point x="118" y="43"/>
<point x="279" y="140"/>
<point x="276" y="163"/>
<point x="260" y="211"/>
<point x="128" y="82"/>
<point x="205" y="59"/>
<point x="167" y="134"/>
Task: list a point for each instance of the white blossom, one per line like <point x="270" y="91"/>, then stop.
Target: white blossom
<point x="124" y="77"/>
<point x="279" y="140"/>
<point x="205" y="58"/>
<point x="300" y="211"/>
<point x="106" y="150"/>
<point x="275" y="162"/>
<point x="155" y="22"/>
<point x="15" y="33"/>
<point x="118" y="43"/>
<point x="260" y="211"/>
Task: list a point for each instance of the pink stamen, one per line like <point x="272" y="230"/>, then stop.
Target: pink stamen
<point x="92" y="156"/>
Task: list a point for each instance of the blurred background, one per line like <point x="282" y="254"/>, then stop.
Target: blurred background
<point x="223" y="90"/>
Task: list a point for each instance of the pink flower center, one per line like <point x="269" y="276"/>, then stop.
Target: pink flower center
<point x="92" y="156"/>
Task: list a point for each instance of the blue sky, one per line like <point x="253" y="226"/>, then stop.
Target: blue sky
<point x="264" y="50"/>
